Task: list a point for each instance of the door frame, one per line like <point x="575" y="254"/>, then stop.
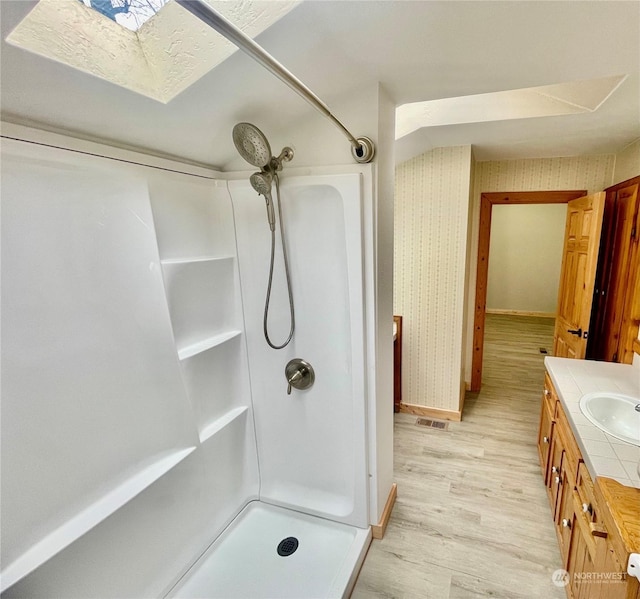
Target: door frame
<point x="487" y="201"/>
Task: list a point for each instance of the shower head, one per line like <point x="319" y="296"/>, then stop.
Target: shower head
<point x="252" y="145"/>
<point x="261" y="182"/>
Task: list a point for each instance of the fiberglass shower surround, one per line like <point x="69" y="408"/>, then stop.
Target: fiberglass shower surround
<point x="149" y="444"/>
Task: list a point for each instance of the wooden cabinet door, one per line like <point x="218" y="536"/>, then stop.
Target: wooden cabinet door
<point x="609" y="581"/>
<point x="554" y="485"/>
<point x="577" y="277"/>
<point x="580" y="566"/>
<point x="545" y="433"/>
<point x="565" y="521"/>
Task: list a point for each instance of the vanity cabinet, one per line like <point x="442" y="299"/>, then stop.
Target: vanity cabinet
<point x="591" y="533"/>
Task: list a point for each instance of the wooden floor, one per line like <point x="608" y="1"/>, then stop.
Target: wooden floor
<point x="472" y="518"/>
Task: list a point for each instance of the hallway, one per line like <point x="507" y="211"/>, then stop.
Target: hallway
<point x="472" y="519"/>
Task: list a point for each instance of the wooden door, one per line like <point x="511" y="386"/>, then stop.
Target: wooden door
<point x="577" y="277"/>
<point x="617" y="276"/>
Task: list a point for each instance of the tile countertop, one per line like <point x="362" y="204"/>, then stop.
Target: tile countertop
<point x="603" y="454"/>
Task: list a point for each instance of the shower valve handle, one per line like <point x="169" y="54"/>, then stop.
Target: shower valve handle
<point x="293" y="380"/>
<point x="299" y="374"/>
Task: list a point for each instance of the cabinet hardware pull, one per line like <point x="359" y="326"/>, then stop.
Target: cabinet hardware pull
<point x="547" y="392"/>
<point x="597" y="531"/>
<point x="557" y="480"/>
<point x="576" y="332"/>
<point x="587" y="508"/>
<point x="554" y="469"/>
<point x="545" y="439"/>
<point x="566" y="523"/>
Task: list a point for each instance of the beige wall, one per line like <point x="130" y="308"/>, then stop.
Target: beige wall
<point x="593" y="173"/>
<point x="525" y="256"/>
<point x="627" y="163"/>
<point x="431" y="221"/>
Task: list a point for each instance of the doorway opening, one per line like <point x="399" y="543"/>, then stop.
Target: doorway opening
<point x="487" y="201"/>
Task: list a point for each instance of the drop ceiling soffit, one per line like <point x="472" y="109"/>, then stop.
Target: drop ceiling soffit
<point x="574" y="97"/>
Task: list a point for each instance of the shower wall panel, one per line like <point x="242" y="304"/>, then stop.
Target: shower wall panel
<point x="124" y="454"/>
<point x="311" y="443"/>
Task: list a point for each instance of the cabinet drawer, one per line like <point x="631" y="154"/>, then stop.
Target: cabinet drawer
<point x="549" y="396"/>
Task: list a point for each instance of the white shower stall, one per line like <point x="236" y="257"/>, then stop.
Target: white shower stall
<point x="149" y="446"/>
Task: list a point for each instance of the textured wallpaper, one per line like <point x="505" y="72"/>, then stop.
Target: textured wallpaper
<point x="627" y="163"/>
<point x="430" y="220"/>
<point x="593" y="173"/>
<point x="543" y="174"/>
<point x="431" y="223"/>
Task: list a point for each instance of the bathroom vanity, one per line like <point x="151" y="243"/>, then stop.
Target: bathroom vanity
<point x="591" y="479"/>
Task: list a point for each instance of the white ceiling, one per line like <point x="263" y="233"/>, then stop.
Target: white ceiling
<point x="422" y="50"/>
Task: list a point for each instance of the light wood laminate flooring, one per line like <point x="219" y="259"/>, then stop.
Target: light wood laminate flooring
<point x="472" y="519"/>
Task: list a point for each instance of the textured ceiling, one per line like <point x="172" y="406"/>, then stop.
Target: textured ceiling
<point x="418" y="51"/>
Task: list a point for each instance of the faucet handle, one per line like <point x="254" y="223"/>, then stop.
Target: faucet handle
<point x="293" y="379"/>
<point x="299" y="374"/>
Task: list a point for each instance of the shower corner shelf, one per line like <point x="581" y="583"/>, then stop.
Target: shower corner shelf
<point x="219" y="423"/>
<point x="90" y="517"/>
<point x="207" y="344"/>
<point x="195" y="259"/>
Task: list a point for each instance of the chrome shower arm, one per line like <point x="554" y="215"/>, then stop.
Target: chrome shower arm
<point x="362" y="148"/>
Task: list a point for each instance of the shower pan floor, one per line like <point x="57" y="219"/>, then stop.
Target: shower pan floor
<point x="244" y="561"/>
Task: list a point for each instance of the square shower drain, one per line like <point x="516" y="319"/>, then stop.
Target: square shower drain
<point x="443" y="426"/>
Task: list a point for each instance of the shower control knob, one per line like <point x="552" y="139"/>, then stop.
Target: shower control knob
<point x="299" y="374"/>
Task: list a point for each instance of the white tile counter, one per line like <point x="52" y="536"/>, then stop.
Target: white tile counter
<point x="603" y="454"/>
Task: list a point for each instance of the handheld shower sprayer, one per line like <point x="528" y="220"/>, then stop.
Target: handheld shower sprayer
<point x="253" y="146"/>
<point x="261" y="182"/>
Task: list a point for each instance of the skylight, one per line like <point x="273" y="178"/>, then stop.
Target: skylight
<point x="131" y="14"/>
<point x="159" y="59"/>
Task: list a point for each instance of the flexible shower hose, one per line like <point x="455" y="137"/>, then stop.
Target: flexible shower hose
<point x="286" y="270"/>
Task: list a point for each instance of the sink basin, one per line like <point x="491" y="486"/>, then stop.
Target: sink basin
<point x="613" y="413"/>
